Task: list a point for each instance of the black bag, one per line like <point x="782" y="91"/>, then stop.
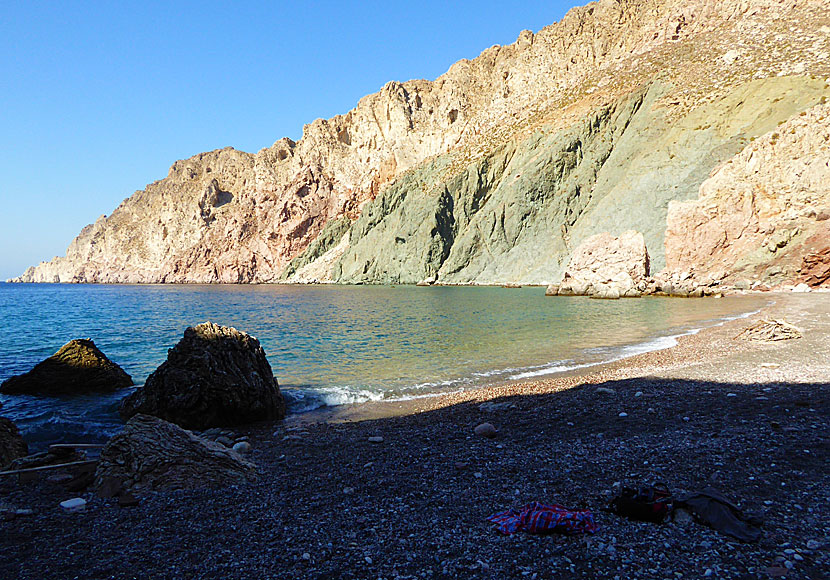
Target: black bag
<point x="648" y="503"/>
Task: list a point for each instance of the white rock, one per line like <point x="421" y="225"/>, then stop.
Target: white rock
<point x="623" y="414"/>
<point x="377" y="439"/>
<point x="638" y="394"/>
<point x="730" y="56"/>
<point x="606" y="390"/>
<point x="76" y="504"/>
<point x="306" y="556"/>
<point x="801" y="288"/>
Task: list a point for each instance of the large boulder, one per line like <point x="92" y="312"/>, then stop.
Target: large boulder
<point x="604" y="266"/>
<point x="12" y="444"/>
<point x="78" y="367"/>
<point x="152" y="454"/>
<point x="215" y="376"/>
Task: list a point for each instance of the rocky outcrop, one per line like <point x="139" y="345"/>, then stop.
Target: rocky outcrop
<point x="604" y="266"/>
<point x="815" y="268"/>
<point x="78" y="367"/>
<point x="494" y="172"/>
<point x="151" y="454"/>
<point x="12" y="445"/>
<point x="763" y="215"/>
<point x="215" y="376"/>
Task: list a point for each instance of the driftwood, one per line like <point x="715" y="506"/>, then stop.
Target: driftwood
<point x="76" y="446"/>
<point x="769" y="331"/>
<point x="49" y="467"/>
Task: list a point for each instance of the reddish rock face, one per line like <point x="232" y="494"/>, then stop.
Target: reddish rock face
<point x="815" y="268"/>
<point x="763" y="214"/>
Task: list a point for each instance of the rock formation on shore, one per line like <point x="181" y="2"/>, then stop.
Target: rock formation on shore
<point x="607" y="267"/>
<point x="151" y="454"/>
<point x="215" y="376"/>
<point x="497" y="170"/>
<point x="78" y="367"/>
<point x="12" y="445"/>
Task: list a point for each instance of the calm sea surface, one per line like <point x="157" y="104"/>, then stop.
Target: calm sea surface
<point x="331" y="345"/>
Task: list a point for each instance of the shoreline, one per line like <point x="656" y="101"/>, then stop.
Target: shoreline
<point x="590" y="373"/>
<point x="332" y="500"/>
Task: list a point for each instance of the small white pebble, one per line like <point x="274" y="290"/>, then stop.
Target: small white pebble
<point x="638" y="394"/>
<point x="478" y="475"/>
<point x="686" y="419"/>
<point x="731" y="395"/>
<point x="623" y="414"/>
<point x="368" y="560"/>
<point x="306" y="556"/>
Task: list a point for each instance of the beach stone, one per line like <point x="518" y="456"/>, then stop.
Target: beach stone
<point x="377" y="439"/>
<point x="243" y="447"/>
<point x="78" y="367"/>
<point x="76" y="504"/>
<point x="215" y="376"/>
<point x="226" y="441"/>
<point x="486" y="430"/>
<point x="12" y="445"/>
<point x="606" y="391"/>
<point x="813" y="545"/>
<point x="153" y="454"/>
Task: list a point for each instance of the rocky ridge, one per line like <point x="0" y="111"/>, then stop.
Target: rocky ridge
<point x="493" y="172"/>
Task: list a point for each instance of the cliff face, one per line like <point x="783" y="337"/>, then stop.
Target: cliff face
<point x="493" y="172"/>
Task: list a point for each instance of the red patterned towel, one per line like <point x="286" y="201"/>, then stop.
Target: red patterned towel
<point x="539" y="518"/>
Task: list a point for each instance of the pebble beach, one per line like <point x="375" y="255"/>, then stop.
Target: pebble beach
<point x="403" y="489"/>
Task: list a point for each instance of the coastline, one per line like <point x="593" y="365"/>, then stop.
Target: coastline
<point x="331" y="503"/>
<point x="709" y="346"/>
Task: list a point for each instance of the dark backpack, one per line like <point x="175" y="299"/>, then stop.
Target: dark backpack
<point x="648" y="503"/>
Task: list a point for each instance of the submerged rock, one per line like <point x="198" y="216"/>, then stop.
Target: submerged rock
<point x="12" y="445"/>
<point x="214" y="376"/>
<point x="152" y="454"/>
<point x="78" y="367"/>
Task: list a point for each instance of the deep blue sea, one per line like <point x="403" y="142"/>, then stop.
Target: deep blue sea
<point x="332" y="345"/>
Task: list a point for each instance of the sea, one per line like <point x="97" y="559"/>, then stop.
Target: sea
<point x="333" y="345"/>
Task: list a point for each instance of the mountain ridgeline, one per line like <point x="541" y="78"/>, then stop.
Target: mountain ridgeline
<point x="702" y="124"/>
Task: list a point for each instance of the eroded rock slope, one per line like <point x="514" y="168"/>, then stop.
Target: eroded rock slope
<point x="493" y="172"/>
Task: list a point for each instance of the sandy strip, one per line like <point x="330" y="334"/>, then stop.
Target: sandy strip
<point x="713" y="354"/>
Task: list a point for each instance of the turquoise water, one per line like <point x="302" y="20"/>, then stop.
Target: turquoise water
<point x="331" y="345"/>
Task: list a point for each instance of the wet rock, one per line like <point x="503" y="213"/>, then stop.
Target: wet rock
<point x="215" y="375"/>
<point x="152" y="454"/>
<point x="78" y="367"/>
<point x="12" y="445"/>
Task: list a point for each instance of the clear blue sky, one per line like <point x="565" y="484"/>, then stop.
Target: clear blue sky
<point x="97" y="99"/>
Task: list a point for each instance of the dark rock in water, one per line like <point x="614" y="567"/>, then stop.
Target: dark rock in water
<point x="214" y="376"/>
<point x="12" y="445"/>
<point x="78" y="367"/>
<point x="152" y="454"/>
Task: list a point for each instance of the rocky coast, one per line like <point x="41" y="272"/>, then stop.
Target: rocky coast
<point x="402" y="490"/>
